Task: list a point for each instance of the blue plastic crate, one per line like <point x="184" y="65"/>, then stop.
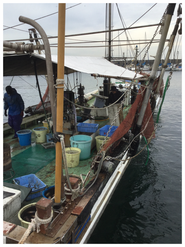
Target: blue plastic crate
<point x="87" y="127"/>
<point x="33" y="182"/>
<point x="103" y="131"/>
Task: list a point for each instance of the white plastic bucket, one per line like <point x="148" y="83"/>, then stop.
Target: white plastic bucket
<point x="72" y="156"/>
<point x="40" y="133"/>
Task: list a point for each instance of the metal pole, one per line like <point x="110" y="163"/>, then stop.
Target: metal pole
<point x="168" y="17"/>
<point x="169" y="14"/>
<point x="110" y="32"/>
<point x="109" y="51"/>
<point x="49" y="67"/>
<point x="172" y="38"/>
<point x="59" y="189"/>
<point x="22" y="47"/>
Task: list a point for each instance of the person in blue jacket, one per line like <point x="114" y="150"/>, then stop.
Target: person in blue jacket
<point x="14" y="103"/>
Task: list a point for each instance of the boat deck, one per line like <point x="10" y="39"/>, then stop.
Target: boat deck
<point x="35" y="159"/>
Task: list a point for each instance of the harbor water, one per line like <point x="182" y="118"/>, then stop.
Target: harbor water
<point x="146" y="207"/>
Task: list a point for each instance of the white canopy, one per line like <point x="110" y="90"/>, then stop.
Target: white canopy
<point x="97" y="66"/>
<point x="21" y="64"/>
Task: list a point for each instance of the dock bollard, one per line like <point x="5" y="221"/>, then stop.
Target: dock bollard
<point x="44" y="213"/>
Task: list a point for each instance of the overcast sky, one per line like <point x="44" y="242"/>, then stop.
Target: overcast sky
<point x="82" y="18"/>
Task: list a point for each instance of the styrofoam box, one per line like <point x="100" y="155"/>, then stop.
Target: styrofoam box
<point x="12" y="203"/>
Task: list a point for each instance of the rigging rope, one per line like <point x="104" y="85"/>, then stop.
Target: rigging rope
<point x="149" y="44"/>
<point x="40" y="17"/>
<point x="124" y="26"/>
<point x="130" y="26"/>
<point x="11" y="80"/>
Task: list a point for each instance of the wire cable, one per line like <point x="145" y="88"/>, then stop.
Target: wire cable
<point x="40" y="18"/>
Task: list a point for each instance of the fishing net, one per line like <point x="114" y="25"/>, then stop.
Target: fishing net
<point x="147" y="127"/>
<point x="131" y="119"/>
<point x="126" y="124"/>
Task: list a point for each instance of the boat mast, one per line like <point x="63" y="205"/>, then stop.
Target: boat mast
<point x="172" y="39"/>
<point x="59" y="188"/>
<point x="108" y="34"/>
<point x="168" y="17"/>
<point x="110" y="16"/>
<point x="108" y="39"/>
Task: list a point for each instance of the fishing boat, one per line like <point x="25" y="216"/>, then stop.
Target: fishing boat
<point x="56" y="191"/>
<point x="177" y="67"/>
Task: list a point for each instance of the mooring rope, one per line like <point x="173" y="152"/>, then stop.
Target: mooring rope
<point x="30" y="229"/>
<point x="35" y="225"/>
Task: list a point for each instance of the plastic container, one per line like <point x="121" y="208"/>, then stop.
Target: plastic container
<point x="100" y="140"/>
<point x="33" y="182"/>
<point x="103" y="131"/>
<point x="40" y="133"/>
<point x="83" y="142"/>
<point x="87" y="127"/>
<point x="23" y="211"/>
<point x="73" y="156"/>
<point x="49" y="192"/>
<point x="24" y="137"/>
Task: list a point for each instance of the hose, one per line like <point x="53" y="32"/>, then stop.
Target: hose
<point x="65" y="161"/>
<point x="37" y="81"/>
<point x="74" y="192"/>
<point x="97" y="173"/>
